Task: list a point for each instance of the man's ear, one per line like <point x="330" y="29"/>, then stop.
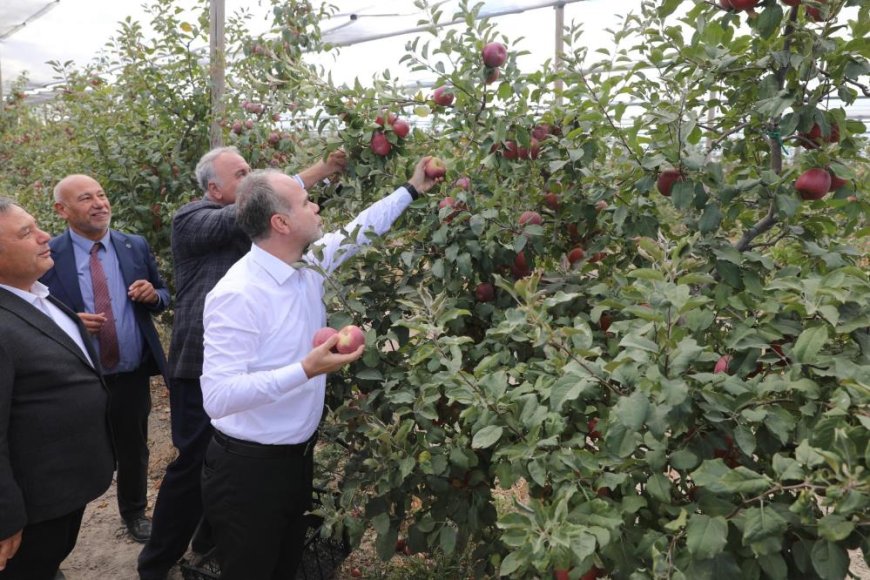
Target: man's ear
<point x="214" y="192"/>
<point x="279" y="223"/>
<point x="60" y="209"/>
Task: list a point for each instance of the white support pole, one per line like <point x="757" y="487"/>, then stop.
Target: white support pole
<point x="559" y="48"/>
<point x="217" y="63"/>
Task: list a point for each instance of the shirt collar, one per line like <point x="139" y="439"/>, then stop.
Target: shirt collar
<point x="279" y="270"/>
<point x="86" y="244"/>
<point x="37" y="291"/>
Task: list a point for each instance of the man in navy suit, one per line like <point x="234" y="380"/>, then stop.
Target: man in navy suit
<point x="55" y="447"/>
<point x="110" y="279"/>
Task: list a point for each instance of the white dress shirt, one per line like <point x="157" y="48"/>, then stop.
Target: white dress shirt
<point x="259" y="322"/>
<point x="38" y="297"/>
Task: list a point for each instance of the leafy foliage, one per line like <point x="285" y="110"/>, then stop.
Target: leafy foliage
<point x="589" y="383"/>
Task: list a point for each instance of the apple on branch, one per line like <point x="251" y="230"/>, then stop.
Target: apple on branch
<point x="494" y="54"/>
<point x="380" y="145"/>
<point x="443" y="96"/>
<point x="813" y="183"/>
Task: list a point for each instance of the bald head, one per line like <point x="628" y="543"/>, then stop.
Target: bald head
<point x="82" y="203"/>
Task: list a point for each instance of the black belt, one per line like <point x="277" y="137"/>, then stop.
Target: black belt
<point x="261" y="450"/>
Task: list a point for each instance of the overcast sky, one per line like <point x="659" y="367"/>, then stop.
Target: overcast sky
<point x="77" y="29"/>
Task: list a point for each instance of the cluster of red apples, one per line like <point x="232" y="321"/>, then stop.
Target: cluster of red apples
<point x="812" y="184"/>
<point x="350" y="338"/>
<point x="813" y="12"/>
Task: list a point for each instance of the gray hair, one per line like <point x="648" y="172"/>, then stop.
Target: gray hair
<point x="205" y="168"/>
<point x="256" y="203"/>
<point x="6" y="203"/>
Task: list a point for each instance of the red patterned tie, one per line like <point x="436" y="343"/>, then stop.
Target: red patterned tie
<point x="108" y="335"/>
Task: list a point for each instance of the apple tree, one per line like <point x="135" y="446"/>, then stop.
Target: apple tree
<point x="662" y="370"/>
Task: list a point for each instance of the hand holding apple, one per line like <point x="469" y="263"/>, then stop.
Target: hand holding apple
<point x="322" y="359"/>
<point x="336" y="162"/>
<point x="422" y="182"/>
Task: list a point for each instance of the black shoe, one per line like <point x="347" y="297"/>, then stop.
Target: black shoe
<point x="139" y="528"/>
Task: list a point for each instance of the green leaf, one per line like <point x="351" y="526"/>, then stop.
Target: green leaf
<point x="719" y="478"/>
<point x="486" y="437"/>
<point x="705" y="536"/>
<point x="447" y="539"/>
<point x="830" y="561"/>
<point x="659" y="487"/>
<point x="632" y="411"/>
<point x="710" y="219"/>
<point x="835" y="527"/>
<point x="583" y="546"/>
<point x="768" y="22"/>
<point x="512" y="563"/>
<point x="761" y="523"/>
<point x="809" y="343"/>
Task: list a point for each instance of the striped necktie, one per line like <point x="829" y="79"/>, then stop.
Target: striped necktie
<point x="108" y="335"/>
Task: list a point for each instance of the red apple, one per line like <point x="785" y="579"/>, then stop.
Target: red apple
<point x="443" y="96"/>
<point x="485" y="292"/>
<point x="836" y="182"/>
<point x="722" y="364"/>
<point x="814" y="138"/>
<point x="463" y="183"/>
<point x="604" y="322"/>
<point x="391" y="118"/>
<point x="541" y="132"/>
<point x="452" y="203"/>
<point x="600" y="205"/>
<point x="237" y="127"/>
<point x="274" y="138"/>
<point x="815" y="14"/>
<point x="520" y="268"/>
<point x="492" y="75"/>
<point x="592" y="428"/>
<point x="510" y="150"/>
<point x="249" y="124"/>
<point x="350" y="338"/>
<point x="561" y="574"/>
<point x="551" y="200"/>
<point x="593" y="573"/>
<point x="666" y="181"/>
<point x="323" y="335"/>
<point x="435" y="168"/>
<point x="813" y="183"/>
<point x="576" y="255"/>
<point x="726" y="5"/>
<point x="356" y="573"/>
<point x="792" y="2"/>
<point x="530" y="217"/>
<point x="380" y="145"/>
<point x="494" y="54"/>
<point x="744" y="4"/>
<point x="401" y="128"/>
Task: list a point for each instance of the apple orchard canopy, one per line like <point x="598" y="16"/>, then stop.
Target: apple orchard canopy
<point x="33" y="32"/>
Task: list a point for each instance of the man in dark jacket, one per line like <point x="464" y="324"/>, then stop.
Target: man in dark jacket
<point x="55" y="447"/>
<point x="205" y="242"/>
<point x="111" y="280"/>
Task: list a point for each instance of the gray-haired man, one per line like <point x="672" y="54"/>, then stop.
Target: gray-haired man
<point x="205" y="242"/>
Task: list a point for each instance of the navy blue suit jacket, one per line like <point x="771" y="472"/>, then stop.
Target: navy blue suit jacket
<point x="137" y="263"/>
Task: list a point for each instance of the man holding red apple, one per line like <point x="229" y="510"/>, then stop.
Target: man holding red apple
<point x="206" y="241"/>
<point x="263" y="385"/>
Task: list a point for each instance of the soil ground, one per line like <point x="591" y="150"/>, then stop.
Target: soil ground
<point x="105" y="552"/>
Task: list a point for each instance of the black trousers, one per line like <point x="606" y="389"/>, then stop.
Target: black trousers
<point x="255" y="498"/>
<point x="129" y="407"/>
<point x="44" y="546"/>
<point x="178" y="509"/>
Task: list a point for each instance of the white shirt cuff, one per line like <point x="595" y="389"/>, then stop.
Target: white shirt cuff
<point x="290" y="376"/>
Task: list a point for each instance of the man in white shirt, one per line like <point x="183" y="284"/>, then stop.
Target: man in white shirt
<point x="262" y="383"/>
